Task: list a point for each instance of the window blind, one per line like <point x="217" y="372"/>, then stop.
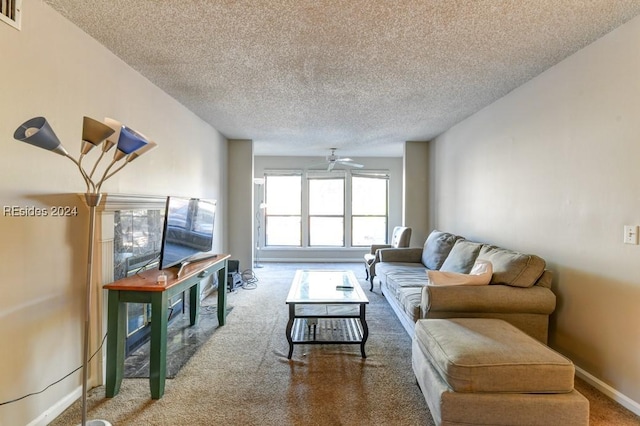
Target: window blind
<point x="321" y="174"/>
<point x="382" y="174"/>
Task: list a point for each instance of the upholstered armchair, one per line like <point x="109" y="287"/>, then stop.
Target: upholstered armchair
<point x="400" y="237"/>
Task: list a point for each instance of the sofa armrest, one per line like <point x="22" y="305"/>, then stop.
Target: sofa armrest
<point x="376" y="247"/>
<point x="486" y="299"/>
<point x="405" y="255"/>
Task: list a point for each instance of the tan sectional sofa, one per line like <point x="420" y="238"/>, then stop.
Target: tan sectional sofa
<point x="519" y="291"/>
<point x="484" y="371"/>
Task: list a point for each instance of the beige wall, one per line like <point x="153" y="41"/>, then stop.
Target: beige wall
<point x="51" y="68"/>
<point x="553" y="168"/>
<point x="240" y="206"/>
<point x="415" y="199"/>
<point x="393" y="165"/>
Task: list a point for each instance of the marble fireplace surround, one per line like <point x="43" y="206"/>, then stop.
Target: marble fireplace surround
<point x="105" y="265"/>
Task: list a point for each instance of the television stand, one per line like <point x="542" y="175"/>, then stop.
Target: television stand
<point x="144" y="288"/>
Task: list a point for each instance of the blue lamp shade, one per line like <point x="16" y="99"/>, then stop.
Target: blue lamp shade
<point x="93" y="134"/>
<point x="37" y="132"/>
<point x="130" y="140"/>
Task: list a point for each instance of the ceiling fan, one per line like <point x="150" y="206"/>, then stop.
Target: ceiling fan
<point x="332" y="160"/>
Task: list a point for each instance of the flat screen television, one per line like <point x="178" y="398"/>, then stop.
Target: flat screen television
<point x="188" y="230"/>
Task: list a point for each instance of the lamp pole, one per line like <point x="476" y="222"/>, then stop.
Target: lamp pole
<point x="92" y="200"/>
<point x="260" y="183"/>
<point x="258" y="222"/>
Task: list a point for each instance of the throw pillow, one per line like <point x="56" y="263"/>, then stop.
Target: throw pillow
<point x="513" y="268"/>
<point x="462" y="257"/>
<point x="480" y="275"/>
<point x="437" y="248"/>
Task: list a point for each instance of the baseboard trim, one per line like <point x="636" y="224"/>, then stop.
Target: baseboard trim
<point x="58" y="408"/>
<point x="612" y="393"/>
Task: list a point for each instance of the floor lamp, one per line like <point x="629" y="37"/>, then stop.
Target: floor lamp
<point x="259" y="212"/>
<point x="129" y="146"/>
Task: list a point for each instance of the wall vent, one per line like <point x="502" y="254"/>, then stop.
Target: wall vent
<point x="10" y="12"/>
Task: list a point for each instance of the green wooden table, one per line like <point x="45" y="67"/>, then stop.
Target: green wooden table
<point x="144" y="288"/>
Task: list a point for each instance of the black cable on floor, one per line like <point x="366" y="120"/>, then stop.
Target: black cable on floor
<point x="249" y="280"/>
<point x="57" y="381"/>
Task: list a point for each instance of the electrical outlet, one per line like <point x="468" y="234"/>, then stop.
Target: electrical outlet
<point x="631" y="234"/>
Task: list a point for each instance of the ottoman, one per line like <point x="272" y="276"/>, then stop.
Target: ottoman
<point x="483" y="371"/>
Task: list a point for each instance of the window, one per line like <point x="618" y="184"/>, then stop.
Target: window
<point x="10" y="12"/>
<point x="369" y="201"/>
<point x="318" y="209"/>
<point x="283" y="215"/>
<point x="326" y="210"/>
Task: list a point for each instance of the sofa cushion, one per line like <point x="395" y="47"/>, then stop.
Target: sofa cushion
<point x="480" y="274"/>
<point x="417" y="270"/>
<point x="462" y="257"/>
<point x="404" y="276"/>
<point x="513" y="268"/>
<point x="437" y="248"/>
<point x="491" y="355"/>
<point x="410" y="298"/>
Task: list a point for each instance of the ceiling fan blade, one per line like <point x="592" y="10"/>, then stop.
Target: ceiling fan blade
<point x="348" y="162"/>
<point x="345" y="160"/>
<point x="331" y="165"/>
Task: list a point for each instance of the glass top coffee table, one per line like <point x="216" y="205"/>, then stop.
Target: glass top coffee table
<point x="326" y="307"/>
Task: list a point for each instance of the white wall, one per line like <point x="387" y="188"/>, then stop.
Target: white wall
<point x="553" y="168"/>
<point x="53" y="69"/>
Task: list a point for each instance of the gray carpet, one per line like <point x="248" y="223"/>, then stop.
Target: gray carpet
<point x="241" y="374"/>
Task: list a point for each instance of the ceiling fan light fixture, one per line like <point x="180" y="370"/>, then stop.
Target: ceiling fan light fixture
<point x="332" y="160"/>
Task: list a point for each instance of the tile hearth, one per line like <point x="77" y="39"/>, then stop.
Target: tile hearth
<point x="182" y="341"/>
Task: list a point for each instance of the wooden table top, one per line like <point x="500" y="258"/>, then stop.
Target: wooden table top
<point x="148" y="280"/>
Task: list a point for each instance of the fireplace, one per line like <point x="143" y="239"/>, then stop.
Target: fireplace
<point x="129" y="237"/>
<point x="136" y="247"/>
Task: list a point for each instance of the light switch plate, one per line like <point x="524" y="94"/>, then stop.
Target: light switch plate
<point x="631" y="234"/>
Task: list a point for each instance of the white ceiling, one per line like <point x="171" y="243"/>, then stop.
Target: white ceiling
<point x="300" y="76"/>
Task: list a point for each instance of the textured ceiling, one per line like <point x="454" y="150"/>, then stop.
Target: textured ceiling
<point x="301" y="76"/>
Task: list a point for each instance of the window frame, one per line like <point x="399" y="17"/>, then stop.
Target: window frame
<point x="266" y="214"/>
<point x="305" y="216"/>
<point x="311" y="176"/>
<point x="371" y="174"/>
